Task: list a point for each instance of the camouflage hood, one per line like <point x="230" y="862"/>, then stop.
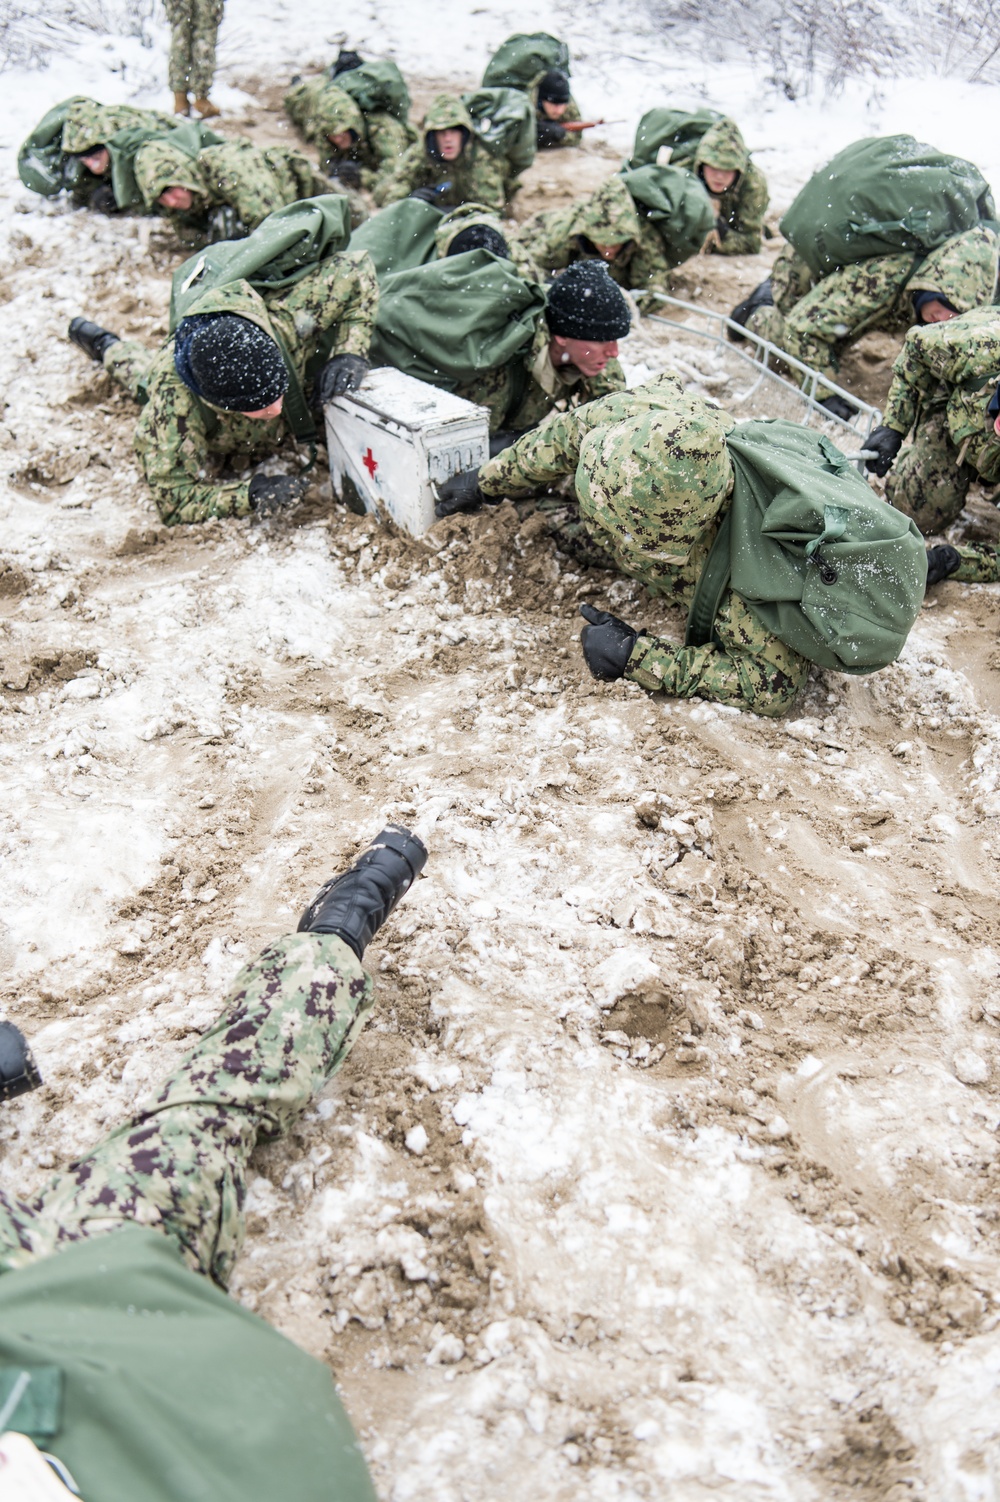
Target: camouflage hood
<point x="668" y="457"/>
<point x="463" y="218"/>
<point x="337" y="112"/>
<point x="723" y="147"/>
<point x="158" y="165"/>
<point x="608" y="216"/>
<point x="963" y="269"/>
<point x="446" y="113"/>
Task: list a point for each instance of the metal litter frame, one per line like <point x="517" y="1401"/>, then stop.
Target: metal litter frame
<point x="859" y="427"/>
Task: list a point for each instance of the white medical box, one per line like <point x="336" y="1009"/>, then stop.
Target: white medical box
<point x="394" y="438"/>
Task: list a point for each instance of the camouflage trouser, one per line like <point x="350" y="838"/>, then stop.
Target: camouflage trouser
<point x="179" y="1164"/>
<point x="194" y="26"/>
<point x="743" y="665"/>
<point x="791" y="279"/>
<point x="835" y="312"/>
<point x="127" y="362"/>
<point x="980" y="565"/>
<point x="927" y="481"/>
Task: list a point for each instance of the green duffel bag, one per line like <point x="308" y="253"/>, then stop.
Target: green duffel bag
<point x="282" y="248"/>
<point x="377" y="86"/>
<point x="678" y="129"/>
<point x="451" y="320"/>
<point x="400" y="236"/>
<point x="505" y="123"/>
<point x="881" y="196"/>
<point x="676" y="202"/>
<point x="523" y="58"/>
<point x="824" y="564"/>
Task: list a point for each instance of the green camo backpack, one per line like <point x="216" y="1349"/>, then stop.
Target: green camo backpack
<point x="451" y="320"/>
<point x="674" y="128"/>
<point x="675" y="201"/>
<point x="831" y="570"/>
<point x="505" y="123"/>
<point x="523" y="58"/>
<point x="884" y="195"/>
<point x="377" y="86"/>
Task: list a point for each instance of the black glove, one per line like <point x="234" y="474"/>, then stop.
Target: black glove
<point x="887" y="443"/>
<point x="550" y="133"/>
<point x="942" y="562"/>
<point x="721" y="227"/>
<point x="18" y="1070"/>
<point x="102" y="200"/>
<point x="270" y="494"/>
<point x="607" y="643"/>
<point x="461" y="493"/>
<point x="346" y="172"/>
<point x="838" y="407"/>
<point x="504" y="438"/>
<point x="341" y="374"/>
<point x="429" y="195"/>
<point x="224" y="224"/>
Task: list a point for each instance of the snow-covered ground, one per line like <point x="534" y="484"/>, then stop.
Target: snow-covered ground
<point x="667" y="1166"/>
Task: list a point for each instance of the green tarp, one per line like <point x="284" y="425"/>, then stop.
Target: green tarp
<point x="676" y="202"/>
<point x="884" y="195"/>
<point x="681" y="130"/>
<point x="399" y="237"/>
<point x="377" y="86"/>
<point x="523" y="57"/>
<point x="821" y="560"/>
<point x="451" y="320"/>
<point x="280" y="251"/>
<point x="505" y="122"/>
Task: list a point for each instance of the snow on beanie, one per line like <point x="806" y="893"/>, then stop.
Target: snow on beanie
<point x="584" y="303"/>
<point x="229" y="361"/>
<point x="554" y="87"/>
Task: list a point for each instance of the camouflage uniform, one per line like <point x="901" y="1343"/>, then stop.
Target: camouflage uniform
<point x="89" y="124"/>
<point x="179" y="1163"/>
<point x="523" y="392"/>
<point x="320" y="110"/>
<point x="237" y="174"/>
<point x="571" y="112"/>
<point x="872" y="294"/>
<point x="475" y="177"/>
<point x="653" y="479"/>
<point x="181" y="440"/>
<point x="942" y="383"/>
<point x="194" y="27"/>
<point x="555" y="238"/>
<point x="743" y="206"/>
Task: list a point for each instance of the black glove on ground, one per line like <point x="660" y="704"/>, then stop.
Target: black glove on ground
<point x="348" y="173"/>
<point x="429" y="195"/>
<point x="341" y="374"/>
<point x="18" y="1070"/>
<point x="550" y="133"/>
<point x="272" y="493"/>
<point x="887" y="443"/>
<point x="721" y="227"/>
<point x="460" y="493"/>
<point x="838" y="407"/>
<point x="607" y="643"/>
<point x="942" y="562"/>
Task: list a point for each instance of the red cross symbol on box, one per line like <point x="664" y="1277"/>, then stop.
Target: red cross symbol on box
<point x="370" y="463"/>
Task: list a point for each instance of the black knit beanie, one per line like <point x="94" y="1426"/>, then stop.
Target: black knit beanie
<point x="554" y="87"/>
<point x="584" y="303"/>
<point x="479" y="237"/>
<point x="229" y="361"/>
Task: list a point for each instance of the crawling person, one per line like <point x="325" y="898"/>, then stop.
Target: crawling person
<point x="763" y="530"/>
<point x="236" y="379"/>
<point x="68" y="150"/>
<point x="449" y="163"/>
<point x="125" y="1360"/>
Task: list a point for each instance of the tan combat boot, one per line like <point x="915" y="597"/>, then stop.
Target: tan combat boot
<point x="181" y="106"/>
<point x="206" y="109"/>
